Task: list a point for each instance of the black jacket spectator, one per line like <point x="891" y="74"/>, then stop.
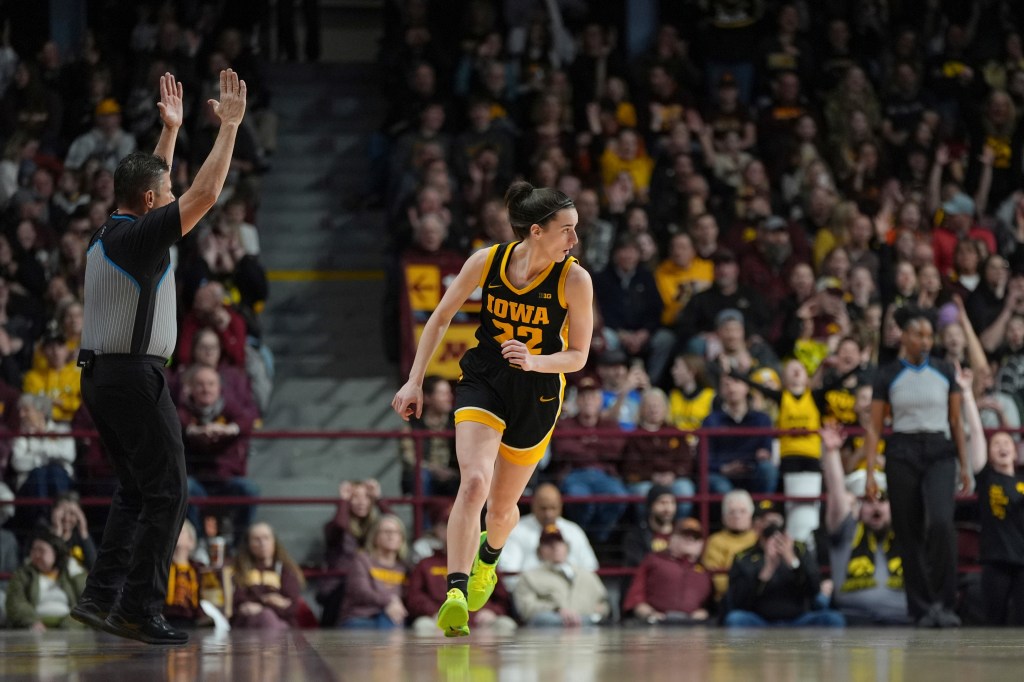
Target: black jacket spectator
<point x="699" y="314"/>
<point x="628" y="296"/>
<point x="788" y="595"/>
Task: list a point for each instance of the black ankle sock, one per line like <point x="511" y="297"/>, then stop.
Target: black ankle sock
<point x="459" y="581"/>
<point x="488" y="554"/>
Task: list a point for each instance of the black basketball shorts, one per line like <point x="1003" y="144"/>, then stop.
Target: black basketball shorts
<point x="522" y="406"/>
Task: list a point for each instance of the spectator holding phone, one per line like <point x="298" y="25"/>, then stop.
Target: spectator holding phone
<point x="776" y="582"/>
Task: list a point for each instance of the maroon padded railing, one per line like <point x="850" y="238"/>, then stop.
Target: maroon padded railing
<point x="703" y="497"/>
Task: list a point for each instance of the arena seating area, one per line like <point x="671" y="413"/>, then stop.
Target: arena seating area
<point x="761" y="186"/>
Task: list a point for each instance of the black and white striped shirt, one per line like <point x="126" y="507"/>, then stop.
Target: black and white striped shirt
<point x="130" y="302"/>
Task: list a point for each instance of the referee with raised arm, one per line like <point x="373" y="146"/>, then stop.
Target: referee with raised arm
<point x="129" y="332"/>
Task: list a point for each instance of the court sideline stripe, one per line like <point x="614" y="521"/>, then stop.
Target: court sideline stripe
<point x="311" y="660"/>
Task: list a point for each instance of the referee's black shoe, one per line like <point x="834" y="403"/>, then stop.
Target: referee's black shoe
<point x="91" y="613"/>
<point x="148" y="629"/>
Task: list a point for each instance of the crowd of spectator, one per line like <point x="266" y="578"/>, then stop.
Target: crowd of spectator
<point x="760" y="187"/>
<point x="69" y="113"/>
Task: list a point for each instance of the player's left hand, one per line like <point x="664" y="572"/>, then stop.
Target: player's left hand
<point x="171" y="111"/>
<point x="517" y="353"/>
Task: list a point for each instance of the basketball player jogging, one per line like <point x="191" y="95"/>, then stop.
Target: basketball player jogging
<point x="536" y="322"/>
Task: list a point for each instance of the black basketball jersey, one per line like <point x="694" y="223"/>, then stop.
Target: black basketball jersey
<point x="535" y="314"/>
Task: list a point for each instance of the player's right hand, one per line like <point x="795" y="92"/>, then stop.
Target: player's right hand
<point x="408" y="401"/>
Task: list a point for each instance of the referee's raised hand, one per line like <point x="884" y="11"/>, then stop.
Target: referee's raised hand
<point x="209" y="180"/>
<point x="231" y="107"/>
<point x="172" y="113"/>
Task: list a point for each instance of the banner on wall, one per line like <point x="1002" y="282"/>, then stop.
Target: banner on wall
<point x="425" y="279"/>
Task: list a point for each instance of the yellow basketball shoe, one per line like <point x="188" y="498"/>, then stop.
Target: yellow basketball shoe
<point x="453" y="616"/>
<point x="482" y="579"/>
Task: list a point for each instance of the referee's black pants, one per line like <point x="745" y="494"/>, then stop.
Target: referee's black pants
<point x="920" y="469"/>
<point x="128" y="399"/>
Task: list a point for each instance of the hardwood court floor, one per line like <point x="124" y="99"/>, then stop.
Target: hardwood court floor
<point x="603" y="655"/>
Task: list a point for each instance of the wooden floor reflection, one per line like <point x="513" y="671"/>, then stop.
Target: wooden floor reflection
<point x="605" y="655"/>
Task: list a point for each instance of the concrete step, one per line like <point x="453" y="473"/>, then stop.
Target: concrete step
<point x="362" y="122"/>
<point x="327" y="76"/>
<point x="296" y="299"/>
<point x="289" y="218"/>
<point x="304" y="141"/>
<point x="322" y="237"/>
<point x="273" y="219"/>
<point x="363" y="5"/>
<point x="302" y="225"/>
<point x="331" y="402"/>
<point x="326" y="335"/>
<point x="287" y="201"/>
<point x="316" y="160"/>
<point x="322" y="342"/>
<point x="306" y="179"/>
<point x="306" y="261"/>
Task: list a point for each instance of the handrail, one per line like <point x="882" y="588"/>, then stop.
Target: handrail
<point x="311" y="573"/>
<point x="421" y="434"/>
<point x="704" y="498"/>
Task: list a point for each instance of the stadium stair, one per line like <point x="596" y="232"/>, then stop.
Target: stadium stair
<point x="322" y="322"/>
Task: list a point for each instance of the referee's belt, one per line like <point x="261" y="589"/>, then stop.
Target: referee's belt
<point x="87" y="358"/>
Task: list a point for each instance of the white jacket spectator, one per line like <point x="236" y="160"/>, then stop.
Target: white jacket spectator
<point x="520" y="551"/>
<point x="32" y="453"/>
<point x="557" y="593"/>
<point x="106" y="142"/>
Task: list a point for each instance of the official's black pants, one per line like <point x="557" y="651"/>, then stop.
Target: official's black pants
<point x="128" y="399"/>
<point x="921" y="473"/>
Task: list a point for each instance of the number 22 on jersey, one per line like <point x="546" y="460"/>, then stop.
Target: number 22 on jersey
<point x="523" y="332"/>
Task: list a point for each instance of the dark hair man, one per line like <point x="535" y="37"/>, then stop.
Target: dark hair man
<point x="129" y="332"/>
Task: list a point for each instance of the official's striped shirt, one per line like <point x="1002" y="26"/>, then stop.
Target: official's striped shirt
<point x="918" y="394"/>
<point x="130" y="302"/>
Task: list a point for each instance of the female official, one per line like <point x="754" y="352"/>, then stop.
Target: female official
<point x="921" y="466"/>
<point x="536" y="323"/>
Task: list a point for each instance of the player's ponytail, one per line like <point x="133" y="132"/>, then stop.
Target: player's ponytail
<point x="528" y="205"/>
